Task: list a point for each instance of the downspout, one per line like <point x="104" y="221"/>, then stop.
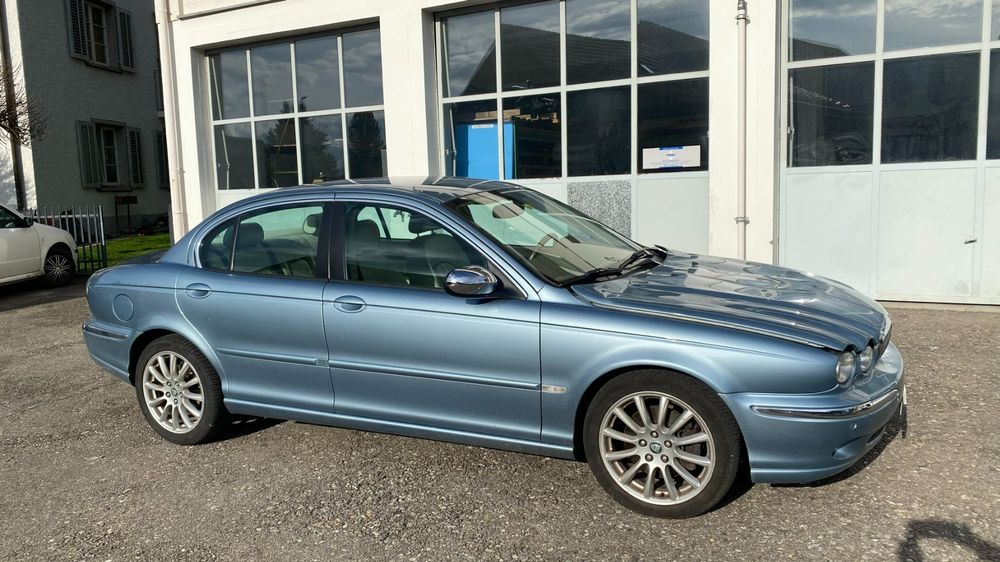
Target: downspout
<point x="15" y="146"/>
<point x="742" y="20"/>
<point x="164" y="25"/>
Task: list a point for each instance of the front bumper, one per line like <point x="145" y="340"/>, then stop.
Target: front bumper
<point x="794" y="438"/>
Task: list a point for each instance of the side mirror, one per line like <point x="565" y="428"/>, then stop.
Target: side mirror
<point x="471" y="281"/>
<point x="28" y="221"/>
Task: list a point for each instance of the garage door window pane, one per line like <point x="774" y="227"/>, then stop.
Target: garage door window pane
<point x="673" y="126"/>
<point x="271" y="68"/>
<point x="673" y="36"/>
<point x="598" y="131"/>
<point x="831" y="114"/>
<point x="470" y="54"/>
<point x="234" y="156"/>
<point x="932" y="23"/>
<point x="276" y="156"/>
<point x="824" y="28"/>
<point x="317" y="74"/>
<point x="529" y="39"/>
<point x="362" y="68"/>
<point x="929" y="108"/>
<point x="531" y="135"/>
<point x="230" y="92"/>
<point x="366" y="144"/>
<point x="322" y="148"/>
<point x="597" y="40"/>
<point x="471" y="142"/>
<point x="993" y="122"/>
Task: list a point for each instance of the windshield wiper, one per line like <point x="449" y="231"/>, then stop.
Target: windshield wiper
<point x="592" y="275"/>
<point x="642" y="256"/>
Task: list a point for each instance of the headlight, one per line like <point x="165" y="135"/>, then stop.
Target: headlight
<point x="865" y="359"/>
<point x="845" y="367"/>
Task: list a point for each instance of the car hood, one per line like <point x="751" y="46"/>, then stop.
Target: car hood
<point x="749" y="296"/>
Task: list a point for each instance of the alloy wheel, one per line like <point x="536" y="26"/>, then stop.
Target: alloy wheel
<point x="173" y="392"/>
<point x="58" y="267"/>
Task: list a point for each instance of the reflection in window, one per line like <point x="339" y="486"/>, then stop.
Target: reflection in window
<point x="275" y="242"/>
<point x="469" y="54"/>
<point x="598" y="131"/>
<point x="362" y="68"/>
<point x="531" y="135"/>
<point x="673" y="126"/>
<point x="529" y="42"/>
<point x="597" y="40"/>
<point x="673" y="36"/>
<point x="932" y="23"/>
<point x="230" y="92"/>
<point x="234" y="156"/>
<point x="929" y="108"/>
<point x="831" y="114"/>
<point x="276" y="153"/>
<point x="316" y="74"/>
<point x="993" y="116"/>
<point x="822" y="29"/>
<point x="471" y="139"/>
<point x="271" y="68"/>
<point x="366" y="144"/>
<point x="322" y="148"/>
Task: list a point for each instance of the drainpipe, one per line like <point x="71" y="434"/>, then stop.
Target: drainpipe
<point x="742" y="19"/>
<point x="164" y="25"/>
<point x="15" y="146"/>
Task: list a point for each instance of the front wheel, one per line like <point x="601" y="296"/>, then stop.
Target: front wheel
<point x="662" y="444"/>
<point x="58" y="268"/>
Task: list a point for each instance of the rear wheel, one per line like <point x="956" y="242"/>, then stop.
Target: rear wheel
<point x="58" y="268"/>
<point x="662" y="444"/>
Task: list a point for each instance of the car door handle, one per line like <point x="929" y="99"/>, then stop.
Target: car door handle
<point x="197" y="290"/>
<point x="349" y="303"/>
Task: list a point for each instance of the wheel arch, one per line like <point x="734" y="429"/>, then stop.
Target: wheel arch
<point x="148" y="336"/>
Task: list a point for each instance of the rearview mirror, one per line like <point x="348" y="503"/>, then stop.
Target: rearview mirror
<point x="471" y="281"/>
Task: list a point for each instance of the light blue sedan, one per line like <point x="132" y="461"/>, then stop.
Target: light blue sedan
<point x="489" y="314"/>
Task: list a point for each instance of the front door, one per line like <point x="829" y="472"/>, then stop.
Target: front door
<point x="257" y="300"/>
<point x="19" y="248"/>
<point x="404" y="350"/>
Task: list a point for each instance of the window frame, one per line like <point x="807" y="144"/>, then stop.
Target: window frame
<point x="296" y="115"/>
<point x="633" y="81"/>
<point x="92" y="40"/>
<point x="102" y="130"/>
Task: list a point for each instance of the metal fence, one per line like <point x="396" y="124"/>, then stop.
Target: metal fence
<point x="86" y="224"/>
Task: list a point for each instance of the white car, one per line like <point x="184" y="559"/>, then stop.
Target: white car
<point x="29" y="250"/>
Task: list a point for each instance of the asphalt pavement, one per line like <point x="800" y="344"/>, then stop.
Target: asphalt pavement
<point x="83" y="477"/>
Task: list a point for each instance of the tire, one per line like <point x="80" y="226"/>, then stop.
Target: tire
<point x="58" y="267"/>
<point x="710" y="434"/>
<point x="170" y="376"/>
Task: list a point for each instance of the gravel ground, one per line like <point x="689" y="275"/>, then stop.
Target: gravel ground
<point x="83" y="477"/>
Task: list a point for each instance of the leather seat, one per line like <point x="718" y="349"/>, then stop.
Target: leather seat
<point x="431" y="257"/>
<point x="366" y="259"/>
<point x="251" y="255"/>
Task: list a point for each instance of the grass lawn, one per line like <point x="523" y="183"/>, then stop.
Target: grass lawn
<point x="121" y="249"/>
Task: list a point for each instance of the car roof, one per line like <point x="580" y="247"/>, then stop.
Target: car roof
<point x="437" y="188"/>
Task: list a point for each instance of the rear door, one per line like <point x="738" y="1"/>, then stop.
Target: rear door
<point x="258" y="300"/>
<point x="20" y="252"/>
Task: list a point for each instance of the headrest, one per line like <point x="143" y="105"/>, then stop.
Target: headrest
<point x="366" y="231"/>
<point x="419" y="224"/>
<point x="250" y="233"/>
<point x="311" y="226"/>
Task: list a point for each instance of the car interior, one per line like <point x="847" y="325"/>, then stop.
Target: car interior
<point x="279" y="249"/>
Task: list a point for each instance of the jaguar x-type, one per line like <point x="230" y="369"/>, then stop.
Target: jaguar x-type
<point x="489" y="314"/>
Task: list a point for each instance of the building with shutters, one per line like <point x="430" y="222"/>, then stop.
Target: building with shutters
<point x="872" y="126"/>
<point x="92" y="66"/>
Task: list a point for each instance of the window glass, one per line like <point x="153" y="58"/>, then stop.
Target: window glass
<point x="278" y="242"/>
<point x="276" y="155"/>
<point x="673" y="126"/>
<point x="271" y="67"/>
<point x="993" y="115"/>
<point x="931" y="23"/>
<point x="597" y="40"/>
<point x="234" y="156"/>
<point x="322" y="148"/>
<point x="391" y="246"/>
<point x="366" y="144"/>
<point x="109" y="153"/>
<point x="469" y="54"/>
<point x="217" y="247"/>
<point x="831" y="114"/>
<point x="531" y="133"/>
<point x="230" y="91"/>
<point x="317" y="73"/>
<point x="929" y="108"/>
<point x="529" y="39"/>
<point x="362" y="68"/>
<point x="598" y="131"/>
<point x="98" y="33"/>
<point x="673" y="36"/>
<point x="8" y="219"/>
<point x="471" y="148"/>
<point x="822" y="29"/>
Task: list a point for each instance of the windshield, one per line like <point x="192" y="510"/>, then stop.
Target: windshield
<point x="556" y="241"/>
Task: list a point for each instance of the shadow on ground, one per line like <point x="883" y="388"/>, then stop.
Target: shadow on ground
<point x="959" y="533"/>
<point x="32" y="292"/>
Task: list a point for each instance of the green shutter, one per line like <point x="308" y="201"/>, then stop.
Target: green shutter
<point x="134" y="142"/>
<point x="90" y="154"/>
<point x="126" y="45"/>
<point x="78" y="24"/>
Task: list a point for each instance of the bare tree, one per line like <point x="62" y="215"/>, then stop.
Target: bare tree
<point x="21" y="117"/>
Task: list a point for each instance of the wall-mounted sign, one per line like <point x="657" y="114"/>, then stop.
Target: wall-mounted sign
<point x="668" y="157"/>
